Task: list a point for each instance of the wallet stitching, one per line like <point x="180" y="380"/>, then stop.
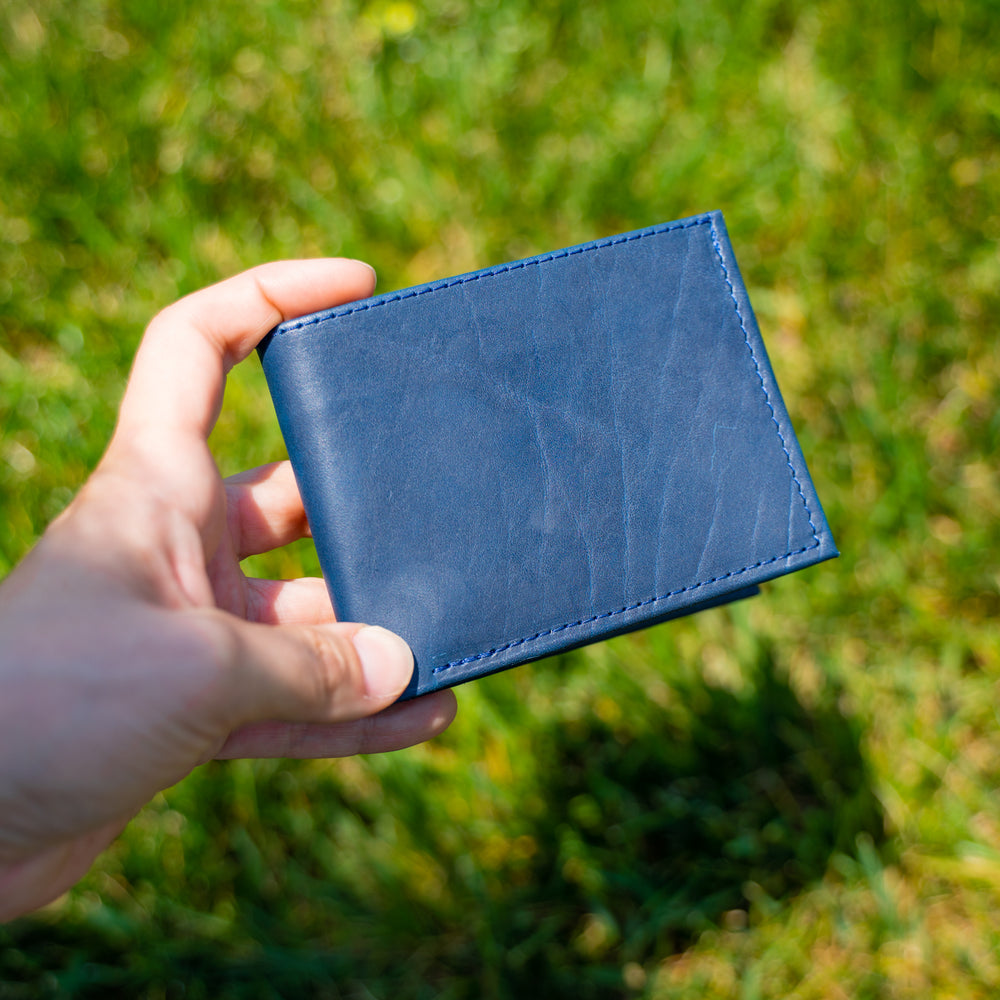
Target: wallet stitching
<point x="763" y="385"/>
<point x="620" y="611"/>
<point x="410" y="293"/>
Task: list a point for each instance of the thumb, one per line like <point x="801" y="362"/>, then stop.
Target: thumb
<point x="310" y="673"/>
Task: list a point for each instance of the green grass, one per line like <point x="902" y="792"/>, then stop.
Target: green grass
<point x="792" y="797"/>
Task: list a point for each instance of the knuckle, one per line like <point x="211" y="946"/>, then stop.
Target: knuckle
<point x="216" y="651"/>
<point x="338" y="675"/>
<point x="362" y="736"/>
<point x="222" y="644"/>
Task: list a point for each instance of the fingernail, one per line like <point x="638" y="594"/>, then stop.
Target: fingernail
<point x="370" y="268"/>
<point x="386" y="661"/>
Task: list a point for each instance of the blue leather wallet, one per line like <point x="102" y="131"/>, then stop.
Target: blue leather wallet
<point x="510" y="463"/>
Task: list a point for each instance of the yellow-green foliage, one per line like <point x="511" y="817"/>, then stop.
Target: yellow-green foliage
<point x="793" y="797"/>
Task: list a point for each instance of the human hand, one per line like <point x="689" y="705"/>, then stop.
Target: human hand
<point x="132" y="646"/>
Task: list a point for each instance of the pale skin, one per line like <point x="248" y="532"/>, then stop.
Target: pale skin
<point x="132" y="646"/>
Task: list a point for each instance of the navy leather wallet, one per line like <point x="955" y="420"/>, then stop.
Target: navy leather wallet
<point x="510" y="463"/>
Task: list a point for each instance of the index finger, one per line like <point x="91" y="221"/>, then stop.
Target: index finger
<point x="180" y="368"/>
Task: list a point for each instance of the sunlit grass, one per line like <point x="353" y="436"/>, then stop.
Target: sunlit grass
<point x="792" y="797"/>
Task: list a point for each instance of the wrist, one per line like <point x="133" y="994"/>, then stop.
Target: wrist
<point x="29" y="883"/>
<point x="22" y="887"/>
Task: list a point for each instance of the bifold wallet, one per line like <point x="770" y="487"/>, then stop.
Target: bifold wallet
<point x="519" y="461"/>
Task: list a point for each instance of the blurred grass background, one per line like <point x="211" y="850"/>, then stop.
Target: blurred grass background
<point x="796" y="796"/>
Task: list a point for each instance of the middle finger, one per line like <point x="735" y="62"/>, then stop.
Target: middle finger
<point x="264" y="509"/>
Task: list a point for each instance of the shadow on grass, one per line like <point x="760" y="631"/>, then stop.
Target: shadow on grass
<point x="657" y="828"/>
<point x="651" y="829"/>
<point x="669" y="832"/>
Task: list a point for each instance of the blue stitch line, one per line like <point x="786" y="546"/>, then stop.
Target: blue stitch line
<point x="621" y="611"/>
<point x="410" y="293"/>
<point x="767" y="398"/>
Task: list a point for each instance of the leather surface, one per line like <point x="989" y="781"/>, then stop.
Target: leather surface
<point x="514" y="462"/>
